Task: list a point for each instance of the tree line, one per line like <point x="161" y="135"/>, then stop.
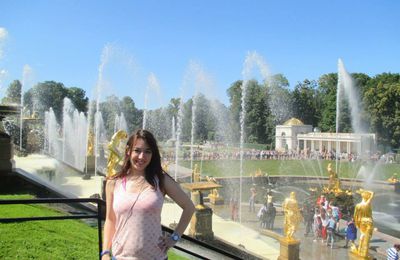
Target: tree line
<point x="267" y="104"/>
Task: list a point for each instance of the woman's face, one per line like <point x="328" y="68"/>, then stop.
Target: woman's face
<point x="140" y="156"/>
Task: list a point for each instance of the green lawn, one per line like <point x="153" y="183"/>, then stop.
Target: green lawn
<point x="317" y="168"/>
<point x="55" y="239"/>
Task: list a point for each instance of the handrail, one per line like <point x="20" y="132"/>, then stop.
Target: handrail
<point x="98" y="216"/>
<point x="203" y="244"/>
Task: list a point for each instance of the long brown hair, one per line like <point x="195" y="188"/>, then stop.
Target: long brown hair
<point x="154" y="169"/>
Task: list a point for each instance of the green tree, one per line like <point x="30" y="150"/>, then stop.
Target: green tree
<point x="255" y="119"/>
<point x="204" y="121"/>
<point x="235" y="96"/>
<point x="383" y="105"/>
<point x="305" y="104"/>
<point x="46" y="95"/>
<point x="110" y="109"/>
<point x="78" y="98"/>
<point x="279" y="98"/>
<point x="133" y="116"/>
<point x="13" y="93"/>
<point x="327" y="91"/>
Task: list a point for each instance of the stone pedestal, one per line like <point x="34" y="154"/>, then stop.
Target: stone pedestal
<point x="196" y="197"/>
<point x="353" y="256"/>
<point x="6" y="153"/>
<point x="90" y="163"/>
<point x="289" y="250"/>
<point x="201" y="224"/>
<point x="397" y="187"/>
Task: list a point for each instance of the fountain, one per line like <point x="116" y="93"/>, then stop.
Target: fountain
<point x="68" y="141"/>
<point x="251" y="60"/>
<point x="60" y="142"/>
<point x="6" y="150"/>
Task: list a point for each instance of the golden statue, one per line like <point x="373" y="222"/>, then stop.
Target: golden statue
<point x="90" y="149"/>
<point x="214" y="192"/>
<point x="165" y="166"/>
<point x="196" y="174"/>
<point x="258" y="173"/>
<point x="393" y="179"/>
<point x="35" y="115"/>
<point x="292" y="216"/>
<point x="115" y="156"/>
<point x="364" y="222"/>
<point x="334" y="182"/>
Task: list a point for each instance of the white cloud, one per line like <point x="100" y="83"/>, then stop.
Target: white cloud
<point x="3" y="74"/>
<point x="3" y="33"/>
<point x="3" y="37"/>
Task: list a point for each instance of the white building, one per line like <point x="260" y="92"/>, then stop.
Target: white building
<point x="286" y="134"/>
<point x="294" y="135"/>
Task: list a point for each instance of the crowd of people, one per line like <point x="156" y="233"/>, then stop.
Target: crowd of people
<point x="256" y="154"/>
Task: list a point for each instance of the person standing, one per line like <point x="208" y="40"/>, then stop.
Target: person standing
<point x="234" y="205"/>
<point x="263" y="216"/>
<point x="134" y="199"/>
<point x="317" y="225"/>
<point x="393" y="252"/>
<point x="252" y="199"/>
<point x="308" y="216"/>
<point x="330" y="230"/>
<point x="351" y="232"/>
<point x="324" y="220"/>
<point x="271" y="210"/>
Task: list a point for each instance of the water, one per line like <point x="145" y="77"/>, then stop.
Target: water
<point x="120" y="123"/>
<point x="153" y="88"/>
<point x="252" y="60"/>
<point x="26" y="76"/>
<point x="178" y="138"/>
<point x="346" y="82"/>
<point x="67" y="141"/>
<point x="74" y="136"/>
<point x="98" y="124"/>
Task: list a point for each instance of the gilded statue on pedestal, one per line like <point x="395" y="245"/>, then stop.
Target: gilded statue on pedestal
<point x="292" y="216"/>
<point x="90" y="149"/>
<point x="364" y="222"/>
<point x="196" y="174"/>
<point x="334" y="182"/>
<point x="115" y="155"/>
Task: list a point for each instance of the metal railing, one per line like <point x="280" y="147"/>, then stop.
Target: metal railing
<point x="98" y="215"/>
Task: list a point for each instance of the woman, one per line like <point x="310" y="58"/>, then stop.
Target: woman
<point x="134" y="199"/>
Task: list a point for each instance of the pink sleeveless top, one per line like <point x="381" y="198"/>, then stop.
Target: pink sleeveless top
<point x="138" y="228"/>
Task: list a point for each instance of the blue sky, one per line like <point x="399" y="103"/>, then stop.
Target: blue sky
<point x="63" y="40"/>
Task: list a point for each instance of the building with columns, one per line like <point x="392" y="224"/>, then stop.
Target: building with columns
<point x="286" y="134"/>
<point x="294" y="135"/>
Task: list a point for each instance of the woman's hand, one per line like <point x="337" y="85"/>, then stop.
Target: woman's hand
<point x="106" y="257"/>
<point x="165" y="242"/>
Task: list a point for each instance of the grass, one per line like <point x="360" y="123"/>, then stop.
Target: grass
<point x="316" y="168"/>
<point x="55" y="239"/>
